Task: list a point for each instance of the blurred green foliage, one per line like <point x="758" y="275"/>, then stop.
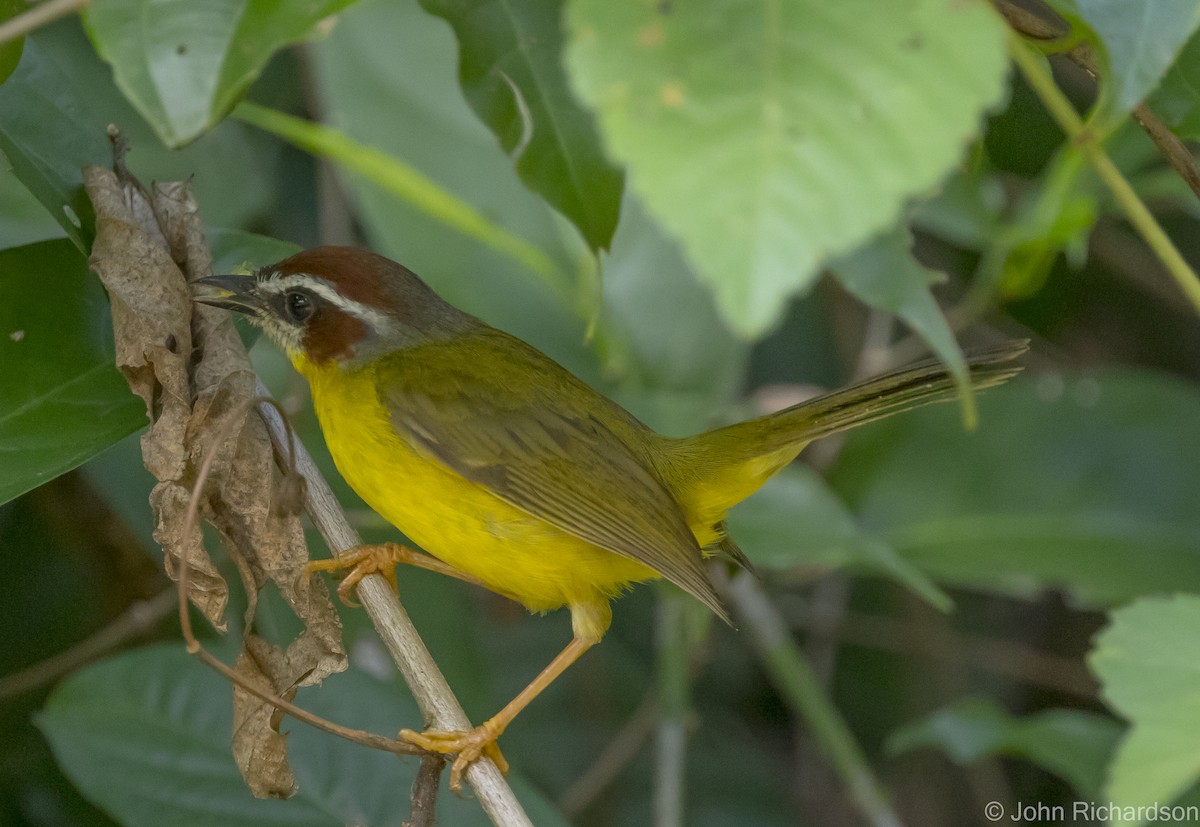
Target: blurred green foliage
<point x="701" y="210"/>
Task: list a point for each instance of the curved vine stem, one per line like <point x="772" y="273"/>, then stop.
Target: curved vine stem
<point x="1029" y="62"/>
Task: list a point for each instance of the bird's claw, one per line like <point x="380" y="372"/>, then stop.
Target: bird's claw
<point x="469" y="746"/>
<point x="360" y="561"/>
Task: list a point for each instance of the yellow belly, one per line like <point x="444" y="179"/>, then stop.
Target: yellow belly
<point x="458" y="521"/>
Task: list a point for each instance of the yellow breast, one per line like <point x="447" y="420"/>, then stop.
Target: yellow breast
<point x="458" y="521"/>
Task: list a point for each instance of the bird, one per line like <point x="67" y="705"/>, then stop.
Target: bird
<point x="511" y="473"/>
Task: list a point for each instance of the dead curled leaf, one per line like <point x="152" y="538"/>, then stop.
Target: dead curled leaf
<point x="188" y="364"/>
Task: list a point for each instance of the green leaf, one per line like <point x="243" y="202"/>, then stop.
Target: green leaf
<point x="41" y="133"/>
<point x="1086" y="483"/>
<point x="146" y="736"/>
<point x="673" y="377"/>
<point x="62" y="400"/>
<point x="185" y="63"/>
<point x="397" y="53"/>
<point x="1177" y="99"/>
<point x="10" y="52"/>
<point x="56" y="108"/>
<point x="1072" y="744"/>
<point x="510" y="66"/>
<point x="23" y="220"/>
<point x="1140" y="41"/>
<point x="798" y="132"/>
<point x="1148" y="661"/>
<point x="796" y="520"/>
<point x="405" y="182"/>
<point x="885" y="275"/>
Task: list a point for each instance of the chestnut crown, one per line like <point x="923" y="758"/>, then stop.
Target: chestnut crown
<point x="338" y="304"/>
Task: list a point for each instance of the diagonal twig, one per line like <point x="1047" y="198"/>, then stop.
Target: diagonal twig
<point x="1041" y="29"/>
<point x="429" y="687"/>
<point x="40" y="15"/>
<point x="424" y="792"/>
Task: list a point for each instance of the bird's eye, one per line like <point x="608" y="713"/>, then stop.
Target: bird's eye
<point x="298" y="306"/>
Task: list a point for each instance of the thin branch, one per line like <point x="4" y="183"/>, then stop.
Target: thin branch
<point x="194" y="647"/>
<point x="38" y="16"/>
<point x="1042" y="30"/>
<point x="358" y="736"/>
<point x="799" y="688"/>
<point x="674" y="688"/>
<point x="430" y="690"/>
<point x="1068" y="119"/>
<point x="423" y="812"/>
<point x="138" y="619"/>
<point x="1177" y="154"/>
<point x="1030" y="24"/>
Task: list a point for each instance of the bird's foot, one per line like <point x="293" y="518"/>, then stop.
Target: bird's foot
<point x="361" y="561"/>
<point x="469" y="746"/>
<point x="381" y="559"/>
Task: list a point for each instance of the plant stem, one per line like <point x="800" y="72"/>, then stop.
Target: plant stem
<point x="673" y="700"/>
<point x="1056" y="36"/>
<point x="40" y="15"/>
<point x="1056" y="103"/>
<point x="801" y="690"/>
<point x="407" y="183"/>
<point x="430" y="690"/>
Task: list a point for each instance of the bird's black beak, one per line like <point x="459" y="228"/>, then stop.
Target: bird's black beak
<point x="228" y="292"/>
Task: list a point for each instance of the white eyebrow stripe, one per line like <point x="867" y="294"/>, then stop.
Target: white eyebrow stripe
<point x="372" y="317"/>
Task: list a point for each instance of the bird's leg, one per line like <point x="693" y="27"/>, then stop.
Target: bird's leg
<point x="481" y="740"/>
<point x="380" y="559"/>
<point x="589" y="622"/>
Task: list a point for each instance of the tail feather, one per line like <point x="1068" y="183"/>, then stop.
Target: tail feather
<point x="919" y="384"/>
<point x="726" y="465"/>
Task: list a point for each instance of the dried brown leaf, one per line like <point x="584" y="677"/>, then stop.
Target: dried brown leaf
<point x="190" y="366"/>
<point x="151" y="310"/>
<point x="272" y="543"/>
<point x="259" y="748"/>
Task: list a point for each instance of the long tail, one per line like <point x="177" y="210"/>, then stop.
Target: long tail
<point x="725" y="466"/>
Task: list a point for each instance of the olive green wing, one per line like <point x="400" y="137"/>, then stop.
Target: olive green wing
<point x="508" y="418"/>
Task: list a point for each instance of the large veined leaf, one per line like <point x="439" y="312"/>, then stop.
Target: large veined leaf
<point x="397" y="53"/>
<point x="62" y="400"/>
<point x="56" y="108"/>
<point x="771" y="136"/>
<point x="1086" y="483"/>
<point x="146" y="736"/>
<point x="42" y="127"/>
<point x="510" y="67"/>
<point x="1148" y="661"/>
<point x="185" y="63"/>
